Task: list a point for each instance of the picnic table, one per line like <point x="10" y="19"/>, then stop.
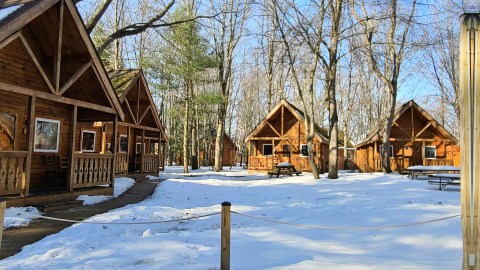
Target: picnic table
<point x="445" y="179"/>
<point x="284" y="168"/>
<point x="415" y="171"/>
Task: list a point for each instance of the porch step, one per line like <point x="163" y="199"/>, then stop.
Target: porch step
<point x="58" y="205"/>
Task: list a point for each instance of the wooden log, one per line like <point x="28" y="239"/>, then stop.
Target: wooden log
<point x="3" y="205"/>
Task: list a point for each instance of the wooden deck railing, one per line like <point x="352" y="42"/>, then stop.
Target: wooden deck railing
<point x="396" y="163"/>
<point x="301" y="163"/>
<point x="12" y="172"/>
<point x="150" y="162"/>
<point x="121" y="163"/>
<point x="92" y="170"/>
<point x="260" y="163"/>
<point x="438" y="162"/>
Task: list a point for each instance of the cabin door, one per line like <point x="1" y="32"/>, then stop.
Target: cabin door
<point x="417" y="154"/>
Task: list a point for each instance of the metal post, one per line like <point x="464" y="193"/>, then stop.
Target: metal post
<point x="225" y="231"/>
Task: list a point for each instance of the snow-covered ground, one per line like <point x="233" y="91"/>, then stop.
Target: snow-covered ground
<point x="21" y="216"/>
<point x="353" y="200"/>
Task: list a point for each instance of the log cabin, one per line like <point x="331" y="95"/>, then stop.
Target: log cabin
<point x="280" y="137"/>
<point x="207" y="156"/>
<point x="416" y="138"/>
<point x="142" y="138"/>
<point x="51" y="81"/>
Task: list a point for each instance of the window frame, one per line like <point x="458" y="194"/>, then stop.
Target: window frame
<point x="391" y="153"/>
<point x="301" y="147"/>
<point x="35" y="138"/>
<point x="425" y="152"/>
<point x="263" y="149"/>
<point x="287" y="150"/>
<point x="94" y="141"/>
<point x="120" y="143"/>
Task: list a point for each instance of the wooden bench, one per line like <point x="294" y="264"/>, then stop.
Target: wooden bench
<point x="445" y="179"/>
<point x="280" y="172"/>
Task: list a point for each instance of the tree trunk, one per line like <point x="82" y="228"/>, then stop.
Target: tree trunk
<point x="386" y="134"/>
<point x="186" y="133"/>
<point x="219" y="138"/>
<point x="333" y="124"/>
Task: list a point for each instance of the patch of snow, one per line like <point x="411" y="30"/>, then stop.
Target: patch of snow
<point x="121" y="185"/>
<point x="352" y="200"/>
<point x="15" y="216"/>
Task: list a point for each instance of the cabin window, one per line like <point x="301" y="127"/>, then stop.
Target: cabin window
<point x="7" y="131"/>
<point x="430" y="152"/>
<point x="390" y="153"/>
<point x="286" y="150"/>
<point x="303" y="150"/>
<point x="252" y="150"/>
<point x="138" y="148"/>
<point x="88" y="141"/>
<point x="154" y="148"/>
<point x="47" y="135"/>
<point x="268" y="149"/>
<point x="123" y="145"/>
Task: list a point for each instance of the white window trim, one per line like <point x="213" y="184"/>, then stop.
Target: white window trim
<point x="136" y="147"/>
<point x="119" y="140"/>
<point x="35" y="141"/>
<point x="391" y="151"/>
<point x="430" y="146"/>
<point x="301" y="146"/>
<point x="94" y="141"/>
<point x="263" y="149"/>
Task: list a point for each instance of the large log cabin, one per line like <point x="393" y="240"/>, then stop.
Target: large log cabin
<point x="280" y="137"/>
<point x="416" y="138"/>
<point x="142" y="138"/>
<point x="51" y="81"/>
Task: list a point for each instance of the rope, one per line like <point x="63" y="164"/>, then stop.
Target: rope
<point x="123" y="223"/>
<point x="347" y="228"/>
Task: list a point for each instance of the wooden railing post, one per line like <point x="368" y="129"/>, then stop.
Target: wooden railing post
<point x="71" y="150"/>
<point x="30" y="142"/>
<point x="3" y="205"/>
<point x="225" y="231"/>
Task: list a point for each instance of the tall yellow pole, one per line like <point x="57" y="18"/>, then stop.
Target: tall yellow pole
<point x="469" y="136"/>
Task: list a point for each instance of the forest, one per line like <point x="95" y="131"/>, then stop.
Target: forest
<point x="220" y="66"/>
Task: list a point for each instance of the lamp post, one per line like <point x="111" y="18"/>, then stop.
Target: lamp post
<point x="470" y="136"/>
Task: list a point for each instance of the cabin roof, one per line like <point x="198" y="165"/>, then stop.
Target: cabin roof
<point x="375" y="133"/>
<point x="122" y="78"/>
<point x="16" y="14"/>
<point x="320" y="133"/>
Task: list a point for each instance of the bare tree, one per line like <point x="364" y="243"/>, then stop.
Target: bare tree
<point x="385" y="52"/>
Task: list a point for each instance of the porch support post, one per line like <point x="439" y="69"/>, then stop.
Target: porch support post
<point x="374" y="154"/>
<point x="159" y="151"/>
<point x="71" y="150"/>
<point x="143" y="151"/>
<point x="114" y="150"/>
<point x="403" y="156"/>
<point x="129" y="134"/>
<point x="30" y="141"/>
<point x="423" y="153"/>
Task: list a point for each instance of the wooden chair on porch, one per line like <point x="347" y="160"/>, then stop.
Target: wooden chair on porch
<point x="56" y="169"/>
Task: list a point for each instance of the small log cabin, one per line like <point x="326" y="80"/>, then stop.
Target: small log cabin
<point x="280" y="137"/>
<point x="51" y="81"/>
<point x="229" y="152"/>
<point x="142" y="138"/>
<point x="416" y="138"/>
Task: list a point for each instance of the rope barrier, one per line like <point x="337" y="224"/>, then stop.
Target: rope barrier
<point x="347" y="228"/>
<point x="123" y="223"/>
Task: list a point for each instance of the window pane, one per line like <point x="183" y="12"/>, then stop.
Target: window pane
<point x="123" y="144"/>
<point x="46" y="135"/>
<point x="286" y="150"/>
<point x="267" y="149"/>
<point x="7" y="131"/>
<point x="304" y="150"/>
<point x="430" y="152"/>
<point x="88" y="141"/>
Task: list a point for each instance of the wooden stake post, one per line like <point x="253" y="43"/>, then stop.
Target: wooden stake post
<point x="3" y="205"/>
<point x="470" y="136"/>
<point x="225" y="231"/>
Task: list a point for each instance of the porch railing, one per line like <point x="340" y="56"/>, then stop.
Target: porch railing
<point x="12" y="173"/>
<point x="396" y="163"/>
<point x="92" y="170"/>
<point x="260" y="163"/>
<point x="301" y="163"/>
<point x="121" y="163"/>
<point x="150" y="162"/>
<point x="438" y="162"/>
